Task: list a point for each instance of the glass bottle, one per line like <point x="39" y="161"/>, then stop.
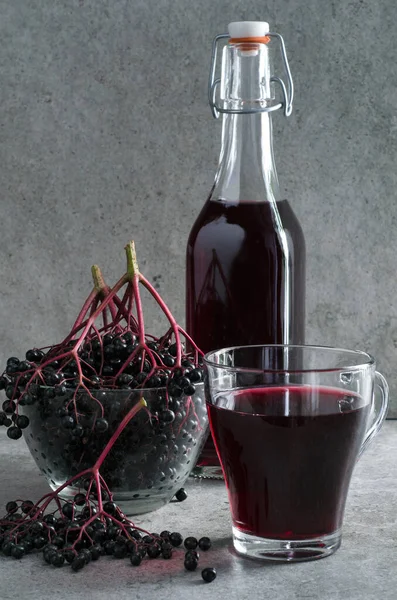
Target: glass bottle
<point x="245" y="271"/>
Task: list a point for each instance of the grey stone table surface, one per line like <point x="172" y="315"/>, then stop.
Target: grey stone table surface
<point x="364" y="568"/>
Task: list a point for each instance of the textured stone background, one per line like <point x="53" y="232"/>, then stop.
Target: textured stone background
<point x="105" y="135"/>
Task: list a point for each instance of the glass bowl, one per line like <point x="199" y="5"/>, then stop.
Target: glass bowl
<point x="149" y="462"/>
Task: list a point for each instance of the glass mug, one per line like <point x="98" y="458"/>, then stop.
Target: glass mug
<point x="289" y="423"/>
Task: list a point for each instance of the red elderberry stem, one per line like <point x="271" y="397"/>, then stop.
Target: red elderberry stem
<point x="134" y="276"/>
<point x="167" y="313"/>
<point x="78" y="322"/>
<point x="131" y="414"/>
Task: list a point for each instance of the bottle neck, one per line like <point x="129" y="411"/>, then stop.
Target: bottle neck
<point x="247" y="170"/>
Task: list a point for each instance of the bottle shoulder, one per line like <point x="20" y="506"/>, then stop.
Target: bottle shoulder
<point x="252" y="217"/>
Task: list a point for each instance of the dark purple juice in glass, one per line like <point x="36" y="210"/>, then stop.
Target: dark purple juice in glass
<point x="288" y="454"/>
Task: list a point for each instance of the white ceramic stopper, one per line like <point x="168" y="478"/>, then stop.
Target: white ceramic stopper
<point x="245" y="29"/>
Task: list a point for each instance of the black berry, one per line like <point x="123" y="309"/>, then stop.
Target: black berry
<point x="120" y="551"/>
<point x="69" y="555"/>
<point x="79" y="499"/>
<point x="18" y="551"/>
<point x="14" y="433"/>
<point x="57" y="559"/>
<point x="190" y="543"/>
<point x="190" y="563"/>
<point x="176" y="539"/>
<point x="9" y="406"/>
<point x="22" y="421"/>
<point x="27" y="506"/>
<point x="96" y="552"/>
<point x="192" y="554"/>
<point x="181" y="495"/>
<point x="11" y="507"/>
<point x="153" y="551"/>
<point x="204" y="543"/>
<point x="208" y="574"/>
<point x="67" y="510"/>
<point x="78" y="563"/>
<point x="136" y="559"/>
<point x="101" y="425"/>
<point x="165" y="535"/>
<point x="110" y="508"/>
<point x="166" y="550"/>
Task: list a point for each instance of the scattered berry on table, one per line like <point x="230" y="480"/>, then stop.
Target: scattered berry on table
<point x="208" y="574"/>
<point x="176" y="539"/>
<point x="204" y="543"/>
<point x="181" y="495"/>
<point x="190" y="563"/>
<point x="190" y="543"/>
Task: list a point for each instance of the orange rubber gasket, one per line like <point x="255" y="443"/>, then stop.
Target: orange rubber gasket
<point x="250" y="40"/>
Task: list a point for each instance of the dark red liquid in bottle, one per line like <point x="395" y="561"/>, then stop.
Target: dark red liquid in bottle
<point x="242" y="261"/>
<point x="288" y="470"/>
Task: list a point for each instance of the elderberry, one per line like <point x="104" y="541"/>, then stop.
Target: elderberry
<point x="87" y="555"/>
<point x="167" y="416"/>
<point x="110" y="508"/>
<point x="153" y="551"/>
<point x="166" y="550"/>
<point x="78" y="563"/>
<point x="181" y="495"/>
<point x="165" y="535"/>
<point x="68" y="422"/>
<point x="109" y="547"/>
<point x="14" y="433"/>
<point x="101" y="425"/>
<point x="7" y="548"/>
<point x="68" y="510"/>
<point x="22" y="421"/>
<point x="120" y="551"/>
<point x="18" y="551"/>
<point x="176" y="539"/>
<point x="27" y="506"/>
<point x="135" y="559"/>
<point x="69" y="555"/>
<point x="34" y="355"/>
<point x="190" y="543"/>
<point x="135" y="534"/>
<point x="39" y="542"/>
<point x="96" y="552"/>
<point x="79" y="499"/>
<point x="204" y="543"/>
<point x="49" y="520"/>
<point x="208" y="574"/>
<point x="58" y="541"/>
<point x="190" y="563"/>
<point x="11" y="507"/>
<point x="57" y="559"/>
<point x="147" y="539"/>
<point x="9" y="406"/>
<point x="49" y="552"/>
<point x="192" y="554"/>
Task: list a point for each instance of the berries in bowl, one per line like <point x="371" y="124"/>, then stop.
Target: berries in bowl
<point x="111" y="407"/>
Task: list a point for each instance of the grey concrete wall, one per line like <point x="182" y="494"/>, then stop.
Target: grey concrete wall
<point x="105" y="135"/>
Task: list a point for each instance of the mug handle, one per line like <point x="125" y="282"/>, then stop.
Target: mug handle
<point x="382" y="385"/>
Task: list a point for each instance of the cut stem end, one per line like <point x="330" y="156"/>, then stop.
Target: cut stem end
<point x="132" y="263"/>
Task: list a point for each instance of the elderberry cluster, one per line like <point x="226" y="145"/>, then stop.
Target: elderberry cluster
<point x="69" y="426"/>
<point x="77" y="533"/>
<point x="105" y="364"/>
